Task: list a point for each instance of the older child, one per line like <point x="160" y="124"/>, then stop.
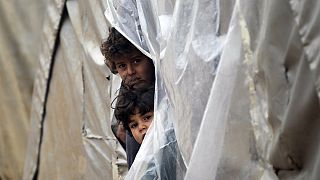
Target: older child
<point x="121" y="56"/>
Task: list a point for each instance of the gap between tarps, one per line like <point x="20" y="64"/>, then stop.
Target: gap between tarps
<point x="55" y="47"/>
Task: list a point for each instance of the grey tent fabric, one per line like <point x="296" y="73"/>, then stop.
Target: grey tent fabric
<point x="72" y="128"/>
<point x="48" y="39"/>
<point x="20" y="27"/>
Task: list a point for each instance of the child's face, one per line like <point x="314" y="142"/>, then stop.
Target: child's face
<point x="135" y="70"/>
<point x="139" y="125"/>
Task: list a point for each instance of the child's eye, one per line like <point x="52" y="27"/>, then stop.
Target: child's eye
<point x="133" y="125"/>
<point x="121" y="66"/>
<point x="137" y="61"/>
<point x="147" y="118"/>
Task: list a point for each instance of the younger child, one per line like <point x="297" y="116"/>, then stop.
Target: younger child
<point x="134" y="109"/>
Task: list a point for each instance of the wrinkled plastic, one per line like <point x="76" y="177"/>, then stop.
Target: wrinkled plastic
<point x="228" y="78"/>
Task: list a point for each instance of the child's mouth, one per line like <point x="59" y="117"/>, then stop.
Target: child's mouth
<point x="132" y="81"/>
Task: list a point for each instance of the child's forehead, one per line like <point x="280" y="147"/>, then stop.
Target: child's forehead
<point x="137" y="115"/>
<point x="130" y="57"/>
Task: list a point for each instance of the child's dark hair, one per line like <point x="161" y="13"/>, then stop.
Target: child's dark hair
<point x="116" y="46"/>
<point x="133" y="101"/>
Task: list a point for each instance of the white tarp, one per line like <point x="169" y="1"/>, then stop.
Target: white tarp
<point x="252" y="118"/>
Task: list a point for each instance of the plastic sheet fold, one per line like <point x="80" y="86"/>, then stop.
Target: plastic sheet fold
<point x="228" y="78"/>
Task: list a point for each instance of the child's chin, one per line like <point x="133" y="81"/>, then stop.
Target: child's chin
<point x="142" y="138"/>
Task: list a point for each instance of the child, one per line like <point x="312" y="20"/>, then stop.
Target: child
<point x="121" y="56"/>
<point x="134" y="109"/>
<point x="135" y="69"/>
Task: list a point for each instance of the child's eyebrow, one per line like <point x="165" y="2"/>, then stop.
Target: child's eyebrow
<point x="137" y="56"/>
<point x="119" y="62"/>
<point x="130" y="123"/>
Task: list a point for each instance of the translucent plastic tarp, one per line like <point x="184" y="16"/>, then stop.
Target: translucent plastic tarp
<point x="176" y="58"/>
<point x="237" y="87"/>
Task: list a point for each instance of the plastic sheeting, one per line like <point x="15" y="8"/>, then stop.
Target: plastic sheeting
<point x="253" y="117"/>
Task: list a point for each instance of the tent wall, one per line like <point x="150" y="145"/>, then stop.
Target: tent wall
<point x="71" y="126"/>
<point x="53" y="46"/>
<point x="20" y="28"/>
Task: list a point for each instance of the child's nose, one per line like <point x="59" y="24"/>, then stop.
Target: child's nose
<point x="130" y="69"/>
<point x="142" y="127"/>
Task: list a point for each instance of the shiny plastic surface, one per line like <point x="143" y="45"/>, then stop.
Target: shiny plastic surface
<point x="228" y="77"/>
